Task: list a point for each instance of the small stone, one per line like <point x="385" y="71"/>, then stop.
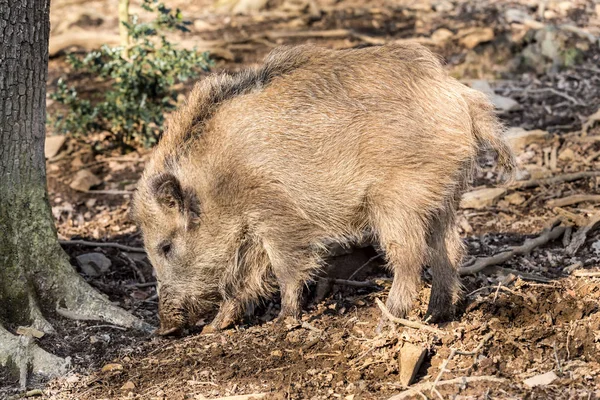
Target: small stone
<point x="93" y="264"/>
<point x="500" y="102"/>
<point x="128" y="386"/>
<point x="53" y="145"/>
<point x="538" y="172"/>
<point x="84" y="180"/>
<point x="471" y="37"/>
<point x="519" y="138"/>
<point x="277" y="353"/>
<point x="566" y="155"/>
<point x="410" y="359"/>
<point x="515" y="198"/>
<point x="541" y="380"/>
<point x="441" y="35"/>
<point x="249" y="6"/>
<point x="112" y="367"/>
<point x="93" y="339"/>
<point x="481" y="198"/>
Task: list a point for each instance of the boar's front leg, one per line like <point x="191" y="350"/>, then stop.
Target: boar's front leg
<point x="292" y="270"/>
<point x="228" y="313"/>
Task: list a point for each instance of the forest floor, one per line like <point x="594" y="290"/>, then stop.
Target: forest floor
<point x="535" y="313"/>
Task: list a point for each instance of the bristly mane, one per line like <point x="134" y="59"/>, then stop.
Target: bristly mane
<point x="187" y="123"/>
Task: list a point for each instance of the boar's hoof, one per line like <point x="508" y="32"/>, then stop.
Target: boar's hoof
<point x="168" y="331"/>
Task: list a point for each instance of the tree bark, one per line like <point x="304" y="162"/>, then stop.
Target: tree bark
<point x="35" y="275"/>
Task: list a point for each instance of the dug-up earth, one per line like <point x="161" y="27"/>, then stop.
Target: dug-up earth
<point x="528" y="326"/>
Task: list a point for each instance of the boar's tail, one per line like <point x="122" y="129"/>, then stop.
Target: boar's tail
<point x="489" y="132"/>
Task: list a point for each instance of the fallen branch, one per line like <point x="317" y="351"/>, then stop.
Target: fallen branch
<point x="555" y="179"/>
<point x="580" y="236"/>
<point x="575" y="199"/>
<point x="586" y="273"/>
<point x="546" y="236"/>
<point x="101" y="244"/>
<point x="420" y="387"/>
<point x="405" y="322"/>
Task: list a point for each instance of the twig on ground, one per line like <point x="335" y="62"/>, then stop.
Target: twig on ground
<point x="580" y="236"/>
<point x="369" y="261"/>
<point x="254" y="396"/>
<point x="141" y="285"/>
<point x="420" y="387"/>
<point x="555" y="179"/>
<point x="546" y="236"/>
<point x="571" y="268"/>
<point x="575" y="199"/>
<point x="454" y="352"/>
<point x="556" y="92"/>
<point x="310" y="327"/>
<point x="354" y="283"/>
<point x="106" y="326"/>
<point x="586" y="273"/>
<point x="592" y="157"/>
<point x="101" y="244"/>
<point x="405" y="322"/>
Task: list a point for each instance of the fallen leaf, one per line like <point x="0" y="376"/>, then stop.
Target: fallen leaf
<point x="112" y="367"/>
<point x="30" y="331"/>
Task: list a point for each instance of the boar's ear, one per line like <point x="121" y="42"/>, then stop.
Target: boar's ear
<point x="191" y="206"/>
<point x="167" y="190"/>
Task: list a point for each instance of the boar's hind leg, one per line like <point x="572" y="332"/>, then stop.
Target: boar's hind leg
<point x="403" y="238"/>
<point x="445" y="252"/>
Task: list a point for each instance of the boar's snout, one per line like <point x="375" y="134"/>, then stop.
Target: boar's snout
<point x="171" y="314"/>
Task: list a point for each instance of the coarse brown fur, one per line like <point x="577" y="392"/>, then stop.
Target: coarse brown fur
<point x="258" y="170"/>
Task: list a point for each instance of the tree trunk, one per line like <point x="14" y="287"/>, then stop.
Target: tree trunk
<point x="35" y="275"/>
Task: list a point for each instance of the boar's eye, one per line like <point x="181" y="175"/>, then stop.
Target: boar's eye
<point x="165" y="247"/>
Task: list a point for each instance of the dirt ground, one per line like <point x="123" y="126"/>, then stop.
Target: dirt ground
<point x="534" y="313"/>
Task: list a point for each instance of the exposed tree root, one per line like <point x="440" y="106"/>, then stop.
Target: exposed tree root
<point x="78" y="300"/>
<point x="22" y="354"/>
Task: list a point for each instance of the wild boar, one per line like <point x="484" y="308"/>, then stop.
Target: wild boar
<point x="260" y="168"/>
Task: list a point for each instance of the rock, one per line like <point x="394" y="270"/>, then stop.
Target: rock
<point x="441" y="35"/>
<point x="566" y="155"/>
<point x="112" y="367"/>
<point x="29" y="331"/>
<point x="53" y="145"/>
<point x="410" y="359"/>
<point x="249" y="6"/>
<point x="93" y="264"/>
<point x="471" y="37"/>
<point x="84" y="180"/>
<point x="443" y="6"/>
<point x="541" y="380"/>
<point x="516" y="15"/>
<point x="515" y="198"/>
<point x="481" y="198"/>
<point x="538" y="172"/>
<point x="500" y="102"/>
<point x="519" y="138"/>
<point x="128" y="386"/>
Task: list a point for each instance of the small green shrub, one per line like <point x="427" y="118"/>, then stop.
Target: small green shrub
<point x="140" y="86"/>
